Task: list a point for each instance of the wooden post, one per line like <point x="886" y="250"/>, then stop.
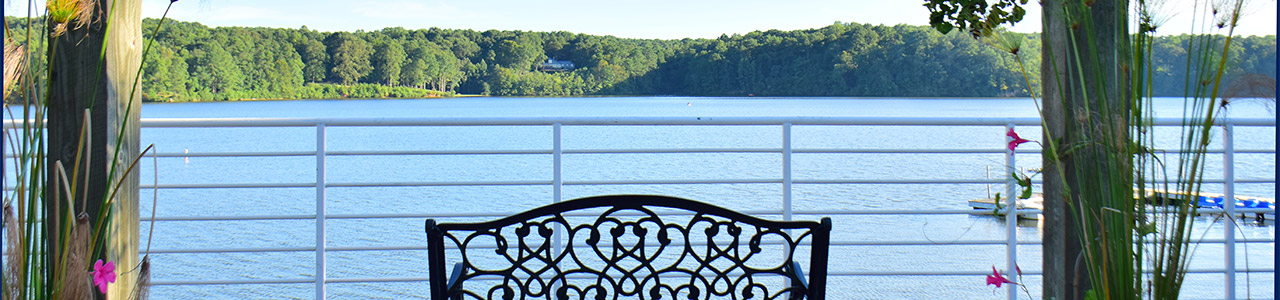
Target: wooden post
<point x="83" y="78"/>
<point x="1059" y="232"/>
<point x="1065" y="271"/>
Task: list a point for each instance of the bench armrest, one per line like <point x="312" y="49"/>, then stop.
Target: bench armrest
<point x="802" y="281"/>
<point x="454" y="283"/>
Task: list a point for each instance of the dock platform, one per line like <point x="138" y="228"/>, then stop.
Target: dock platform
<point x="1153" y="196"/>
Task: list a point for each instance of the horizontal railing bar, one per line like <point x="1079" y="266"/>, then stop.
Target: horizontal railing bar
<point x="436" y="152"/>
<point x="234" y="154"/>
<point x="837" y="151"/>
<point x="626" y="151"/>
<point x="752" y="212"/>
<point x="232" y="281"/>
<point x="504" y="214"/>
<point x="906" y="151"/>
<point x="623" y="182"/>
<point x="228" y="185"/>
<point x="988" y="211"/>
<point x="916" y="273"/>
<point x="897" y="181"/>
<point x="672" y="150"/>
<point x="429" y="183"/>
<point x="671" y="181"/>
<point x="413" y="215"/>
<point x="984" y="181"/>
<point x="422" y="247"/>
<point x="907" y="212"/>
<point x="1024" y="272"/>
<point x="839" y="242"/>
<point x="833" y="243"/>
<point x="233" y="218"/>
<point x="1001" y="242"/>
<point x="831" y="273"/>
<point x="548" y="121"/>
<point x="1032" y="272"/>
<point x="232" y="250"/>
<point x="379" y="279"/>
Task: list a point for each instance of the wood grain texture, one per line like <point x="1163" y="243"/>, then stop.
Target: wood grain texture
<point x="84" y="76"/>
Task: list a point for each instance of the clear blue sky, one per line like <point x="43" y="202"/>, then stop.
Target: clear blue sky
<point x="666" y="19"/>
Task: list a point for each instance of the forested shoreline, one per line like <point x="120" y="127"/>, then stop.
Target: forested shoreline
<point x="192" y="62"/>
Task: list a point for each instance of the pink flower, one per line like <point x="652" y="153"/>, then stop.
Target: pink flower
<point x="103" y="274"/>
<point x="1016" y="139"/>
<point x="997" y="279"/>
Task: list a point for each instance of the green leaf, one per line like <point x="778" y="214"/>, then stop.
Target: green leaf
<point x="944" y="28"/>
<point x="1090" y="295"/>
<point x="998" y="205"/>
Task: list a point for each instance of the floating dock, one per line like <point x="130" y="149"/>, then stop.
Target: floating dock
<point x="1216" y="201"/>
<point x="1153" y="196"/>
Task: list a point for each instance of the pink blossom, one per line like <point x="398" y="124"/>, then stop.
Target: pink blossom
<point x="996" y="279"/>
<point x="1016" y="139"/>
<point x="103" y="274"/>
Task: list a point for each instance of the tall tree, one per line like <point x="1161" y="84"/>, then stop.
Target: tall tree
<point x="412" y="73"/>
<point x="349" y="56"/>
<point x="215" y="71"/>
<point x="388" y="60"/>
<point x="314" y="57"/>
<point x="165" y="73"/>
<point x="519" y="53"/>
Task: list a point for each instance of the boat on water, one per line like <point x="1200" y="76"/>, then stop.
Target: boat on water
<point x="1036" y="202"/>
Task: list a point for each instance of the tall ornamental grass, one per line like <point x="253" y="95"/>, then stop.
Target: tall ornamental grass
<point x="1106" y="156"/>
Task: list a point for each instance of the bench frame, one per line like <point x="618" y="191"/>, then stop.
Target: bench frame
<point x="628" y="215"/>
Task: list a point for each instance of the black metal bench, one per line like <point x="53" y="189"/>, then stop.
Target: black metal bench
<point x="628" y="247"/>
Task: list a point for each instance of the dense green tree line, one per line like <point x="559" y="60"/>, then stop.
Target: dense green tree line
<point x="193" y="62"/>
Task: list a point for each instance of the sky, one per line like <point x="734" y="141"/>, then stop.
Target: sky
<point x="661" y="19"/>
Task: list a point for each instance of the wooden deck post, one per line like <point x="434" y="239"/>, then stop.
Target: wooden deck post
<point x="1065" y="271"/>
<point x="83" y="78"/>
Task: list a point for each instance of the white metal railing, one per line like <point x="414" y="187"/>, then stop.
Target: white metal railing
<point x="557" y="182"/>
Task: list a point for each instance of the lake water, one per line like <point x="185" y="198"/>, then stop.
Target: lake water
<point x="583" y="167"/>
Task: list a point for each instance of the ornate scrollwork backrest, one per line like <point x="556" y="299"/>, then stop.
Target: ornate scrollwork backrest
<point x="629" y="247"/>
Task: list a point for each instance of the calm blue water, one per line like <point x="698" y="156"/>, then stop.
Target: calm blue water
<point x="579" y="167"/>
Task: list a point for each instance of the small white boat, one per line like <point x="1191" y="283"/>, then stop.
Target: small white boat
<point x="1035" y="202"/>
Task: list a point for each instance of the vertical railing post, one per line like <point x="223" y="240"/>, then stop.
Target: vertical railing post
<point x="320" y="211"/>
<point x="786" y="171"/>
<point x="786" y="176"/>
<point x="1229" y="208"/>
<point x="557" y="182"/>
<point x="1011" y="213"/>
